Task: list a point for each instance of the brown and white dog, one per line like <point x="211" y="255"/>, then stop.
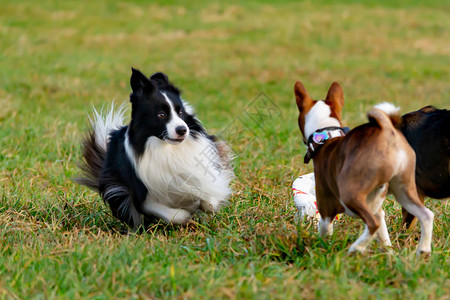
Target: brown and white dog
<point x="354" y="171"/>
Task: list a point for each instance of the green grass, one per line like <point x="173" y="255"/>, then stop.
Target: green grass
<point x="59" y="58"/>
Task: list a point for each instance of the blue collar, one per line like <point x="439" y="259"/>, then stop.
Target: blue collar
<point x="319" y="137"/>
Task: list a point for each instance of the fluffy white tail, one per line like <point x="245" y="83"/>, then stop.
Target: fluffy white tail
<point x="104" y="123"/>
<point x="385" y="115"/>
<point x="389" y="108"/>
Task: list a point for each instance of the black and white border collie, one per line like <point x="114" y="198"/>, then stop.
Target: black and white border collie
<point x="162" y="164"/>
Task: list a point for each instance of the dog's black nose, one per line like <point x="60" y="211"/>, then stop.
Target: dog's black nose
<point x="181" y="130"/>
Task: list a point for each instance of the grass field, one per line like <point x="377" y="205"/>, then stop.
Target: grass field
<point x="60" y="58"/>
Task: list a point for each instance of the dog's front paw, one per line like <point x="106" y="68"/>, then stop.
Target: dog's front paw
<point x="354" y="249"/>
<point x="212" y="205"/>
<point x="181" y="217"/>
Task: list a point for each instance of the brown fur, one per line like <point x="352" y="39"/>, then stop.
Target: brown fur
<point x="225" y="154"/>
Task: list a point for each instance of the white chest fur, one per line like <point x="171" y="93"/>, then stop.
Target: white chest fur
<point x="183" y="175"/>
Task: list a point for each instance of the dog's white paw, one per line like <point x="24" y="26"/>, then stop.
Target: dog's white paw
<point x="356" y="249"/>
<point x="180" y="217"/>
<point x="425" y="252"/>
<point x="168" y="214"/>
<point x="212" y="205"/>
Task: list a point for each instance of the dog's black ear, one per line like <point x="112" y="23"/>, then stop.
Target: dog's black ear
<point x="138" y="81"/>
<point x="160" y="76"/>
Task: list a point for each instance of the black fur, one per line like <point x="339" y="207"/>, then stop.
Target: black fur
<point x="428" y="132"/>
<point x="118" y="171"/>
<point x="92" y="163"/>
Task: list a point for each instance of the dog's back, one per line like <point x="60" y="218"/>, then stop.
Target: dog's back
<point x="374" y="153"/>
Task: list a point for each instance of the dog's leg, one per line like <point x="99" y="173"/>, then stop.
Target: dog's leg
<point x="168" y="214"/>
<point x="409" y="221"/>
<point x="375" y="201"/>
<point x="362" y="242"/>
<point x="122" y="205"/>
<point x="357" y="204"/>
<point x="382" y="232"/>
<point x="405" y="193"/>
<point x="325" y="226"/>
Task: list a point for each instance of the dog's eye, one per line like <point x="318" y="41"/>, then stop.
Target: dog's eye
<point x="162" y="115"/>
<point x="180" y="113"/>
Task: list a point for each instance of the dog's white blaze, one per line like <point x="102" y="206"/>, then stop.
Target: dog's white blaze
<point x="319" y="117"/>
<point x="103" y="124"/>
<point x="175" y="121"/>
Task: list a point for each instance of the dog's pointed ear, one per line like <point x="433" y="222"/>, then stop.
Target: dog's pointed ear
<point x="301" y="96"/>
<point x="160" y="76"/>
<point x="138" y="81"/>
<point x="335" y="98"/>
<point x="336" y="93"/>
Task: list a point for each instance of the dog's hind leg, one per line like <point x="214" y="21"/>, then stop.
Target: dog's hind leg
<point x="121" y="204"/>
<point x="409" y="220"/>
<point x="375" y="202"/>
<point x="382" y="233"/>
<point x="357" y="205"/>
<point x="362" y="242"/>
<point x="404" y="189"/>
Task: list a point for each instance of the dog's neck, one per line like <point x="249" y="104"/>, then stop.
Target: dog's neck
<point x="320" y="127"/>
<point x="319" y="138"/>
<point x="319" y="117"/>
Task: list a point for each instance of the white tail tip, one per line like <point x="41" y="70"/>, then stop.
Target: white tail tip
<point x="388" y="108"/>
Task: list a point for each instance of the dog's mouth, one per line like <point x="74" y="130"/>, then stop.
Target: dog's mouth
<point x="174" y="141"/>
